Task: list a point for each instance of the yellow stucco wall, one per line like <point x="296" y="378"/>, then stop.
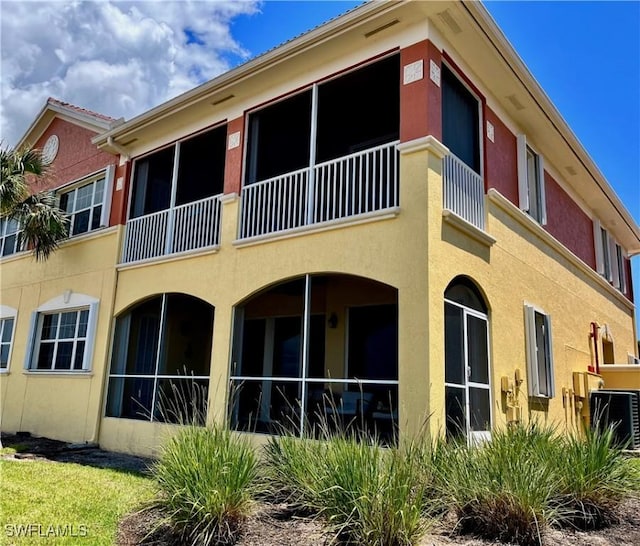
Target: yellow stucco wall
<point x="415" y="252"/>
<point x="58" y="405"/>
<point x="419" y="254"/>
<point x="382" y="250"/>
<point x="618" y="376"/>
<point x="519" y="268"/>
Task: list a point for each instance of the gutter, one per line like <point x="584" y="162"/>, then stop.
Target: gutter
<point x="124" y="153"/>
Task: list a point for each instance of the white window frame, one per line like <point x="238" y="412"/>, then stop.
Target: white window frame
<point x="532" y="349"/>
<point x="4" y="226"/>
<point x="597" y="245"/>
<point x="477" y="436"/>
<point x="524" y="184"/>
<point x="610" y="257"/>
<point x="7" y="313"/>
<point x="67" y="302"/>
<point x="108" y="176"/>
<point x="622" y="268"/>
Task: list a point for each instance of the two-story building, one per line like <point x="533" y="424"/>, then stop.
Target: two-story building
<point x="384" y="222"/>
<point x="55" y="316"/>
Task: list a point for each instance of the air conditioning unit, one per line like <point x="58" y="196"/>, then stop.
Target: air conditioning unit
<point x="619" y="409"/>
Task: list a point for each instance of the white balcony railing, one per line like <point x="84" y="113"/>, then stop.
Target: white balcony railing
<point x="186" y="227"/>
<point x="352" y="185"/>
<point x="463" y="191"/>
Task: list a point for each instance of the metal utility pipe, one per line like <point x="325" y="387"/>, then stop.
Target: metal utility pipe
<point x="594" y="335"/>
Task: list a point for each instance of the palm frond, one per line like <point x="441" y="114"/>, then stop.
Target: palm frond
<point x="44" y="225"/>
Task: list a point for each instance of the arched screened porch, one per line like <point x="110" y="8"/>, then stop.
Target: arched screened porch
<point x="161" y="359"/>
<point x="316" y="350"/>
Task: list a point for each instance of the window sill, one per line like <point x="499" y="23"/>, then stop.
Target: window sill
<point x="467" y="228"/>
<point x="15" y="256"/>
<point x="74" y="373"/>
<point x="93" y="234"/>
<point x="70" y="241"/>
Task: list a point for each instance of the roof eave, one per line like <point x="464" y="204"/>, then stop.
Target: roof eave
<point x="97" y="123"/>
<point x="482" y="16"/>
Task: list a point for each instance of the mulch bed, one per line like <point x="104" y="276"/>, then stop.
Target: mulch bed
<point x="36" y="448"/>
<point x="274" y="524"/>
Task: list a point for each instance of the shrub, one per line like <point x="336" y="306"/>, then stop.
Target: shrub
<point x="528" y="477"/>
<point x="368" y="494"/>
<point x="594" y="476"/>
<point x="207" y="478"/>
<point x="502" y="489"/>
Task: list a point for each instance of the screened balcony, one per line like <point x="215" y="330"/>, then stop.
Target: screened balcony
<point x="463" y="190"/>
<point x="325" y="154"/>
<point x="180" y="229"/>
<point x="350" y="186"/>
<point x="175" y="203"/>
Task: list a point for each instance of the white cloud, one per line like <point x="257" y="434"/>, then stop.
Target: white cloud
<point x="117" y="58"/>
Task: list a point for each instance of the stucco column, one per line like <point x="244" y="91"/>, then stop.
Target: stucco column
<point x="220" y="357"/>
<point x="230" y="220"/>
<point x="414" y="335"/>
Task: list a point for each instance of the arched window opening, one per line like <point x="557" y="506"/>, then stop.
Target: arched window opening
<point x="467" y="363"/>
<point x="161" y="359"/>
<point x="321" y="350"/>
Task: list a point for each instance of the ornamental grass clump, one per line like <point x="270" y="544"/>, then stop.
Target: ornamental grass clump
<point x="502" y="489"/>
<point x="207" y="480"/>
<point x="367" y="494"/>
<point x="594" y="477"/>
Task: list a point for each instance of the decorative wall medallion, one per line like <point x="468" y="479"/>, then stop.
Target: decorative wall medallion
<point x="413" y="72"/>
<point x="234" y="140"/>
<point x="434" y="73"/>
<point x="50" y="149"/>
<point x="490" y="132"/>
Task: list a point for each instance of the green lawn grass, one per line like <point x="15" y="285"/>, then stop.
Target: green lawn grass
<point x="46" y="500"/>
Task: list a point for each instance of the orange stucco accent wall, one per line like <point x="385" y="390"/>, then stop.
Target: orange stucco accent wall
<point x="233" y="162"/>
<point x="119" y="198"/>
<point x="565" y="219"/>
<point x="76" y="156"/>
<point x="501" y="158"/>
<point x="421" y="100"/>
<point x="567" y="223"/>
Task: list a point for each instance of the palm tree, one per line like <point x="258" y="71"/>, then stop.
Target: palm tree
<point x="43" y="225"/>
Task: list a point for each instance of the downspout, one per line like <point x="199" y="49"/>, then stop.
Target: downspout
<point x="112" y="306"/>
<point x="95" y="437"/>
<point x="594" y="336"/>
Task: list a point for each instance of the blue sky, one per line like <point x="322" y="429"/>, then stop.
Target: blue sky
<point x="135" y="55"/>
<point x="589" y="64"/>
